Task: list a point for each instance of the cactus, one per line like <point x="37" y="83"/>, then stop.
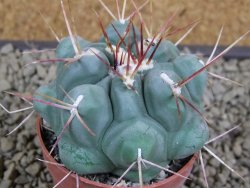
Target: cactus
<point x="124" y="101"/>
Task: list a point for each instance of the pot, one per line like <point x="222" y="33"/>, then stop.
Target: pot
<point x="58" y="172"/>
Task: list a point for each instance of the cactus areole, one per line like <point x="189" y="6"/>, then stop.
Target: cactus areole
<point x="122" y="94"/>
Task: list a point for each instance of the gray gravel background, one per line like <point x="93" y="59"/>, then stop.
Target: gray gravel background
<point x="227" y="106"/>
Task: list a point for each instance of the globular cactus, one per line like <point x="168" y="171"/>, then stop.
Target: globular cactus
<point x="110" y="105"/>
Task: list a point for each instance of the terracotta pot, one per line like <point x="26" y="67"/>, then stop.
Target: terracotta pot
<point x="58" y="172"/>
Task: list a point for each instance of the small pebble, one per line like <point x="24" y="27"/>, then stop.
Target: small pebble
<point x="5" y="183"/>
<point x="33" y="169"/>
<point x="10" y="173"/>
<point x="7" y="144"/>
<point x="4" y="85"/>
<point x="41" y="71"/>
<point x="7" y="48"/>
<point x="22" y="179"/>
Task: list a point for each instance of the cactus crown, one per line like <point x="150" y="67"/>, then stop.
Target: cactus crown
<point x="120" y="95"/>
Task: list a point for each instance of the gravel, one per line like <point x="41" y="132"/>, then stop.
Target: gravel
<point x="227" y="105"/>
<point x="18" y="151"/>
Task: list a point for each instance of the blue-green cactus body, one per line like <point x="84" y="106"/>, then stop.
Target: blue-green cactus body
<point x="65" y="48"/>
<point x="155" y="88"/>
<point x="121" y="27"/>
<point x="125" y="119"/>
<point x="49" y="113"/>
<point x="89" y="69"/>
<point x="166" y="51"/>
<point x="189" y="139"/>
<point x="185" y="65"/>
<point x="88" y="148"/>
<point x="114" y="38"/>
